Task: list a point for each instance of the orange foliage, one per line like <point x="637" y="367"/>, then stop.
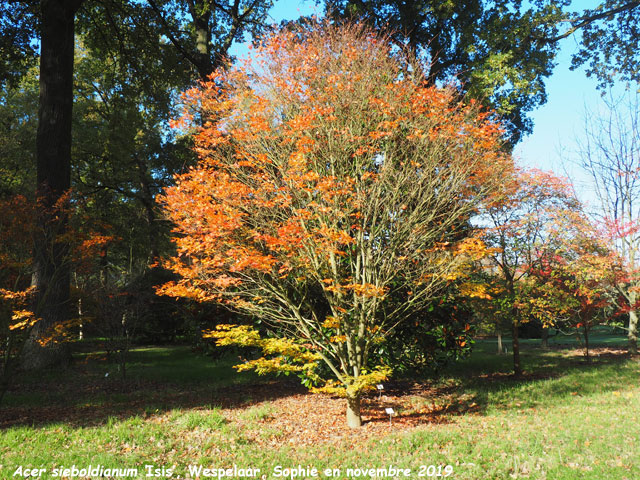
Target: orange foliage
<point x="329" y="174"/>
<point x="18" y="300"/>
<point x="16" y="228"/>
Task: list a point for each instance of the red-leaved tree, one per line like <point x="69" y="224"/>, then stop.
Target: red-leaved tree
<point x="526" y="222"/>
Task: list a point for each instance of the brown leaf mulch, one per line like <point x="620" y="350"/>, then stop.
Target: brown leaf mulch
<point x="306" y="419"/>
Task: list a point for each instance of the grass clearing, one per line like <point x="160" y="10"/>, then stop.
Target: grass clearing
<point x="259" y="412"/>
<point x="565" y="419"/>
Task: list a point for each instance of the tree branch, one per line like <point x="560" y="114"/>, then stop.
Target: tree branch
<point x="585" y="20"/>
<point x="171" y="37"/>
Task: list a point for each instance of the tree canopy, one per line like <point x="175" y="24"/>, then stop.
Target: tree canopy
<point x="496" y="51"/>
<point x="609" y="37"/>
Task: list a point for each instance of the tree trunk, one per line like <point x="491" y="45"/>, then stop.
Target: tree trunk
<point x="51" y="275"/>
<point x="201" y="14"/>
<point x="545" y="337"/>
<point x="500" y="347"/>
<point x="7" y="368"/>
<point x="586" y="341"/>
<point x="148" y="201"/>
<point x="354" y="419"/>
<point x="517" y="369"/>
<point x="633" y="329"/>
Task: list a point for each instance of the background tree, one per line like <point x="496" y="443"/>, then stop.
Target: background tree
<point x="610" y="154"/>
<point x="205" y="39"/>
<point x="51" y="275"/>
<point x="330" y="181"/>
<point x="18" y="53"/>
<point x="18" y="123"/>
<point x="609" y="41"/>
<point x="576" y="280"/>
<point x="518" y="229"/>
<point x="496" y="51"/>
<point x="127" y="102"/>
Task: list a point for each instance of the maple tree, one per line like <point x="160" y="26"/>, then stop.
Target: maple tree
<point x="610" y="155"/>
<point x="16" y="315"/>
<point x="575" y="282"/>
<point x="20" y="304"/>
<point x="331" y="179"/>
<point x="518" y="229"/>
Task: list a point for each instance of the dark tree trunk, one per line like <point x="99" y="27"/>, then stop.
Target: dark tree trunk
<point x="517" y="368"/>
<point x="515" y="323"/>
<point x="586" y="340"/>
<point x="203" y="42"/>
<point x="545" y="337"/>
<point x="147" y="199"/>
<point x="51" y="275"/>
<point x="201" y="15"/>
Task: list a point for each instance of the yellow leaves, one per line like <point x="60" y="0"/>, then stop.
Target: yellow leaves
<point x="355" y="386"/>
<point x="20" y="295"/>
<point x="475" y="290"/>
<point x="331" y="387"/>
<point x="60" y="332"/>
<point x="21" y="318"/>
<point x="242" y="335"/>
<point x="264" y="366"/>
<point x="452" y="275"/>
<point x="331" y="322"/>
<point x="283" y="346"/>
<point x="369" y="380"/>
<point x="286" y="354"/>
<point x="472" y="247"/>
<point x="24" y="319"/>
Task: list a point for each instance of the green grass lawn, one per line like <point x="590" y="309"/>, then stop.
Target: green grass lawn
<point x="565" y="419"/>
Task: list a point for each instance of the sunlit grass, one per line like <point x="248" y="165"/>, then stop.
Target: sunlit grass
<point x="566" y="420"/>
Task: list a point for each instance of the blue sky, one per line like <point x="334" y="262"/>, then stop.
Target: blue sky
<point x="292" y="9"/>
<point x="559" y="123"/>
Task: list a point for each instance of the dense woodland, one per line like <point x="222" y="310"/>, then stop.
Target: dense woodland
<point x="342" y="207"/>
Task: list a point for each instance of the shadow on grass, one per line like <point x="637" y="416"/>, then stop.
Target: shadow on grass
<point x="159" y="380"/>
<point x="551" y="377"/>
<point x="91" y="392"/>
